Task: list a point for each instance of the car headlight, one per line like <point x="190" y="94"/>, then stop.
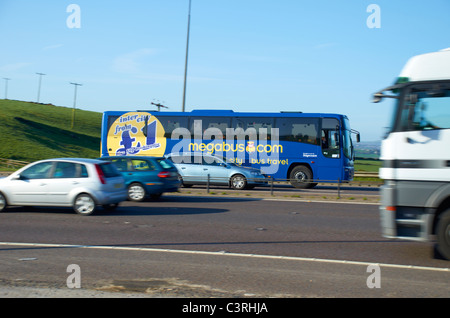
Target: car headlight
<point x="255" y="173"/>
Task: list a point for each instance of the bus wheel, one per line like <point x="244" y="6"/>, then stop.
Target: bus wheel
<point x="238" y="182"/>
<point x="301" y="177"/>
<point x="443" y="235"/>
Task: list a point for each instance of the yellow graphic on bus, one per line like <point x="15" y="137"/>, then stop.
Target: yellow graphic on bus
<point x="136" y="133"/>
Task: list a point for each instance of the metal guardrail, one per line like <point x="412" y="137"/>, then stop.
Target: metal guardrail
<point x="271" y="184"/>
<point x="12" y="164"/>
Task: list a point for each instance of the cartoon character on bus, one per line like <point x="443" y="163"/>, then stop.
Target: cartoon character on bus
<point x="140" y="134"/>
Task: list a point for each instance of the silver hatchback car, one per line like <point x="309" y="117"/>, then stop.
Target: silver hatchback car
<point x="68" y="182"/>
<point x="202" y="168"/>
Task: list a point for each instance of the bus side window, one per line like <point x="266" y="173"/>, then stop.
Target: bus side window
<point x="304" y="130"/>
<point x="259" y="124"/>
<point x="221" y="123"/>
<point x="171" y="123"/>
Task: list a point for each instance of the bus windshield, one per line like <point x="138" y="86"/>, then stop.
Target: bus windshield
<point x="347" y="139"/>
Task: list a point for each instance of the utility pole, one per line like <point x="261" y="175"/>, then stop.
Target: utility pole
<point x="74" y="102"/>
<point x="39" y="86"/>
<point x="187" y="55"/>
<point x="159" y="105"/>
<point x="6" y="86"/>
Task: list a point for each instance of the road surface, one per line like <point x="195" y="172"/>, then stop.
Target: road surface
<point x="190" y="246"/>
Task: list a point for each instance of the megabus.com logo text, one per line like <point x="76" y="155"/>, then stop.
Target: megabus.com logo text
<point x="226" y="147"/>
<point x="238" y="144"/>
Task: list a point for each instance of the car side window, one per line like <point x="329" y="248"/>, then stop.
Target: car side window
<point x="142" y="165"/>
<point x="185" y="159"/>
<point x="65" y="170"/>
<point x="37" y="171"/>
<point x="121" y="164"/>
<point x="84" y="173"/>
<point x="210" y="161"/>
<point x="196" y="159"/>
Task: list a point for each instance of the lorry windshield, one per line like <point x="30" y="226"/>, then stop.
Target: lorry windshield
<point x="425" y="107"/>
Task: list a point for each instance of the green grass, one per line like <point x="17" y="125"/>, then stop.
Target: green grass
<point x="367" y="165"/>
<point x="31" y="131"/>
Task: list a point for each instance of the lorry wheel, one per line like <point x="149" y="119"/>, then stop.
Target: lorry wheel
<point x="443" y="234"/>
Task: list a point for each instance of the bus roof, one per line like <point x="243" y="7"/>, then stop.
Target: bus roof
<point x="230" y="113"/>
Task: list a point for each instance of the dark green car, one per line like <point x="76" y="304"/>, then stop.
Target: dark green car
<point x="146" y="176"/>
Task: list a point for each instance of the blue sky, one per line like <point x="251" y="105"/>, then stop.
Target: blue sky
<point x="245" y="55"/>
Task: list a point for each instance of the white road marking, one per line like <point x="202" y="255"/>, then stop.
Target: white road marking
<point x="293" y="258"/>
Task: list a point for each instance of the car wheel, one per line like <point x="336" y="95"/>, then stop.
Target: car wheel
<point x="2" y="202"/>
<point x="84" y="204"/>
<point x="443" y="234"/>
<point x="238" y="182"/>
<point x="136" y="192"/>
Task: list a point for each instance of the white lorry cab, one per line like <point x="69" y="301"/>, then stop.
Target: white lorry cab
<point x="415" y="197"/>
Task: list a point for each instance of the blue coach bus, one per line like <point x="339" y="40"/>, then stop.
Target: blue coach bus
<point x="304" y="148"/>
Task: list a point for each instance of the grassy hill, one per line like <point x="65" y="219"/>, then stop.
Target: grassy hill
<point x="31" y="131"/>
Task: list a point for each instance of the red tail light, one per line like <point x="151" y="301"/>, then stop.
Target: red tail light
<point x="100" y="174"/>
<point x="164" y="174"/>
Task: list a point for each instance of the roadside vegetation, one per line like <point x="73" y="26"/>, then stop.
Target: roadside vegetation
<point x="31" y="131"/>
<point x="369" y="166"/>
